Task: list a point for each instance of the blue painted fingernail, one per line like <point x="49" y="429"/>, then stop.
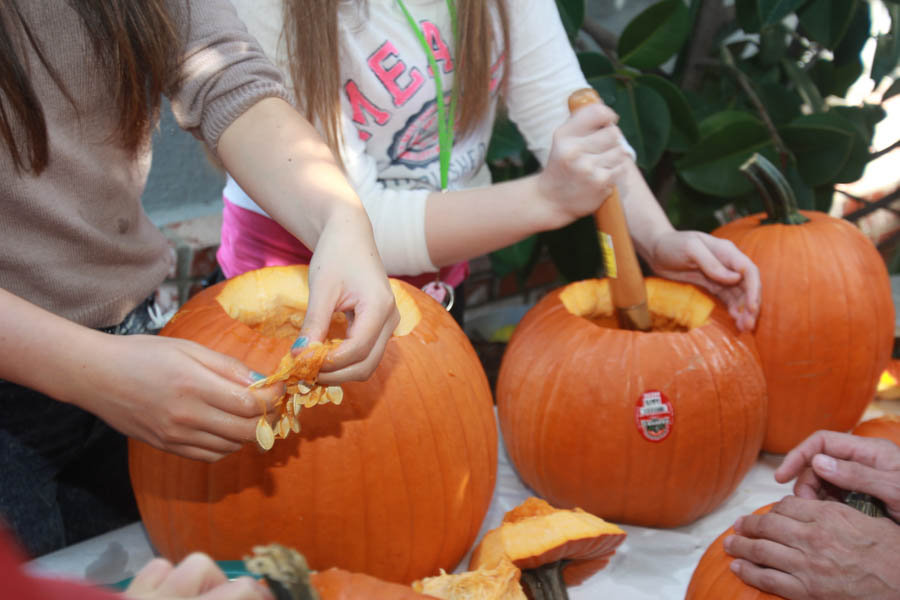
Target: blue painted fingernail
<point x="256" y="376"/>
<point x="301" y="342"/>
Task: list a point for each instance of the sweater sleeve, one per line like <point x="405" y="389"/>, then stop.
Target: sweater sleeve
<point x="221" y="71"/>
<point x="544" y="71"/>
<point x="397" y="215"/>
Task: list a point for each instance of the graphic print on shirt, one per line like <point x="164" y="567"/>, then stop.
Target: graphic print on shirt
<point x="417" y="144"/>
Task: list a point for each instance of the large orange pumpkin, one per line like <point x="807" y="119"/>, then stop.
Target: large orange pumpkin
<point x="652" y="428"/>
<point x="886" y="427"/>
<point x="826" y="324"/>
<point x="713" y="578"/>
<point x="394" y="482"/>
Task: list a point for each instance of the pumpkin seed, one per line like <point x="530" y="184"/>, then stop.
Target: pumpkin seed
<point x="265" y="436"/>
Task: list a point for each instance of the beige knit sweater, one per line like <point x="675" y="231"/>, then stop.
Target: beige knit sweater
<point x="75" y="239"/>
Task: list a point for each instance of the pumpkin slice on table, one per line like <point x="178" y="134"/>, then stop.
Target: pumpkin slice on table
<point x="500" y="582"/>
<point x="289" y="578"/>
<point x="554" y="547"/>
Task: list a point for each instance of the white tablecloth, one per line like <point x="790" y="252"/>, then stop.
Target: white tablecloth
<point x="651" y="564"/>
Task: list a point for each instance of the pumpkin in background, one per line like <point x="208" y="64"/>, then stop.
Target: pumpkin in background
<point x="651" y="428"/>
<point x="393" y="482"/>
<point x="826" y="323"/>
<point x="886" y="427"/>
<point x="713" y="578"/>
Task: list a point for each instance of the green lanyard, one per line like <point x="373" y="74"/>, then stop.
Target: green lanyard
<point x="445" y="121"/>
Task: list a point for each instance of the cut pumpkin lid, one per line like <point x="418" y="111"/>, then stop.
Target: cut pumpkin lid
<point x="536" y="534"/>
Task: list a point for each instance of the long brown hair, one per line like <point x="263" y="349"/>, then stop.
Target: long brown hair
<point x="135" y="41"/>
<point x="311" y="32"/>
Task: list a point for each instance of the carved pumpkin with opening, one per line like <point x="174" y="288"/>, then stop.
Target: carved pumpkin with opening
<point x="394" y="481"/>
<point x="650" y="428"/>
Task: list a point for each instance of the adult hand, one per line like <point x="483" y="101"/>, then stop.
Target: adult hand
<point x="827" y="463"/>
<point x="586" y="159"/>
<point x="346" y="274"/>
<point x="174" y="394"/>
<point x="714" y="264"/>
<point x="812" y="549"/>
<point x="196" y="577"/>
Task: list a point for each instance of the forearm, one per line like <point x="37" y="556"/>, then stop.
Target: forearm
<point x="645" y="217"/>
<point x="281" y="161"/>
<point x="45" y="352"/>
<point x="464" y="224"/>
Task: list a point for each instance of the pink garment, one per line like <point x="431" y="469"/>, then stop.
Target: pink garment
<point x="252" y="241"/>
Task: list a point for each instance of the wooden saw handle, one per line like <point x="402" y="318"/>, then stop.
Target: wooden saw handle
<point x="626" y="282"/>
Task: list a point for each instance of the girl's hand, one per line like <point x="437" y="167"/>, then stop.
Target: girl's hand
<point x="586" y="159"/>
<point x="714" y="264"/>
<point x="174" y="394"/>
<point x="346" y="274"/>
<point x="196" y="577"/>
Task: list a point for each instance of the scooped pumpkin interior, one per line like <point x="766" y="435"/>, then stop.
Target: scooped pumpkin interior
<point x="673" y="306"/>
<point x="273" y="302"/>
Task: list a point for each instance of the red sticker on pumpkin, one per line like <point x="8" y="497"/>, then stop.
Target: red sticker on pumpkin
<point x="654" y="416"/>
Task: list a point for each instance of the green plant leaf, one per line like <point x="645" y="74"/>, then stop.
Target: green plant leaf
<point x="712" y="165"/>
<point x="517" y="258"/>
<point x="747" y="13"/>
<point x="820" y="144"/>
<point x="773" y="44"/>
<point x="826" y="21"/>
<point x="894" y="89"/>
<point x="643" y="116"/>
<point x="804" y="85"/>
<point x="685" y="131"/>
<point x="835" y="79"/>
<point x="803" y="192"/>
<point x="506" y="141"/>
<point x="571" y="12"/>
<point x="725" y="118"/>
<point x="887" y="51"/>
<point x="782" y="104"/>
<point x="574" y="249"/>
<point x="858" y="122"/>
<point x="773" y="11"/>
<point x="858" y="32"/>
<point x="594" y="64"/>
<point x="655" y="35"/>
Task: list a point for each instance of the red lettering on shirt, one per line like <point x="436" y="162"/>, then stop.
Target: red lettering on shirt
<point x="361" y="105"/>
<point x="438" y="47"/>
<point x="389" y="76"/>
<point x="363" y="134"/>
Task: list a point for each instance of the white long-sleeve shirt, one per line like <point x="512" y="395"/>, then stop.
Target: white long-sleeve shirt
<point x="389" y="120"/>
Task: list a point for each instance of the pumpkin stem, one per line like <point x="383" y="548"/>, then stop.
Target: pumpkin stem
<point x="545" y="582"/>
<point x="776" y="192"/>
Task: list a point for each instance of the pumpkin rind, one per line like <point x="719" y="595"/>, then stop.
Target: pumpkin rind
<point x="886" y="427"/>
<point x="826" y="322"/>
<point x="394" y="482"/>
<point x="713" y="578"/>
<point x="567" y="393"/>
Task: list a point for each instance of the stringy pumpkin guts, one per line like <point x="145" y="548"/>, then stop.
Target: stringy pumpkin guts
<point x="299" y="374"/>
<point x="498" y="583"/>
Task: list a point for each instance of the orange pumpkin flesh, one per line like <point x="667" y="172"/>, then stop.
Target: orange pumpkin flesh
<point x="554" y="548"/>
<point x="394" y="482"/>
<point x="501" y="582"/>
<point x="571" y="384"/>
<point x="826" y="322"/>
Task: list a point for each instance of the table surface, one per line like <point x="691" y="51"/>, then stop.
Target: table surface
<point x="651" y="564"/>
